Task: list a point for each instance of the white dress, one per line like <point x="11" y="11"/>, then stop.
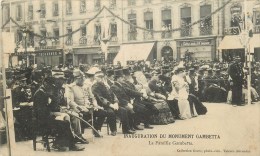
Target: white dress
<point x="180" y="91"/>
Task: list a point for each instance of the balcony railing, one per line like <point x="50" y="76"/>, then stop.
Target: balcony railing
<point x="69" y="41"/>
<point x="257" y="29"/>
<point x="186" y="31"/>
<point x="206" y="30"/>
<point x="148" y="35"/>
<point x="132" y="35"/>
<point x="56" y="13"/>
<point x="114" y="39"/>
<point x="69" y="12"/>
<point x="166" y="34"/>
<point x="83" y="40"/>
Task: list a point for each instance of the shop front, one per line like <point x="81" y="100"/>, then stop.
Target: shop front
<point x="93" y="55"/>
<point x="198" y="48"/>
<point x="50" y="57"/>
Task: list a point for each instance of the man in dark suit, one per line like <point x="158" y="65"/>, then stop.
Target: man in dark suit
<point x="236" y="74"/>
<point x="107" y="99"/>
<point x="123" y="98"/>
<point x="142" y="109"/>
<point x="46" y="118"/>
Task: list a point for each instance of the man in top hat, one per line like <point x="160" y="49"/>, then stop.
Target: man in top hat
<point x="124" y="100"/>
<point x="236" y="74"/>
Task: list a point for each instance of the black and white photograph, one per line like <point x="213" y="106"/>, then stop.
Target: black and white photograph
<point x="130" y="77"/>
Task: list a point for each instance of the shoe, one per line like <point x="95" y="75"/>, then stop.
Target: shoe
<point x="81" y="140"/>
<point x="77" y="148"/>
<point x="148" y="126"/>
<point x="129" y="132"/>
<point x="113" y="133"/>
<point x="138" y="127"/>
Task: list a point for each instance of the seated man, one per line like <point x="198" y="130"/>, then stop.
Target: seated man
<point x="107" y="99"/>
<point x="123" y="98"/>
<point x="46" y="118"/>
<point x="81" y="101"/>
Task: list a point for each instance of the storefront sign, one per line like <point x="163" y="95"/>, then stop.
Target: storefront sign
<point x="232" y="31"/>
<point x="236" y="9"/>
<point x="195" y="43"/>
<point x="48" y="53"/>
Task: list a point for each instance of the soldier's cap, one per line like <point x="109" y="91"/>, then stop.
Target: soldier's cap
<point x="191" y="69"/>
<point x="58" y="74"/>
<point x="118" y="73"/>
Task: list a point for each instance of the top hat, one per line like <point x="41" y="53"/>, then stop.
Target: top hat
<point x="109" y="72"/>
<point x="126" y="71"/>
<point x="118" y="73"/>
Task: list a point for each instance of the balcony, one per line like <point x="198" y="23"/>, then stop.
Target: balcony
<point x="69" y="12"/>
<point x="186" y="31"/>
<point x="56" y="13"/>
<point x="257" y="29"/>
<point x="83" y="40"/>
<point x="82" y="10"/>
<point x="148" y="35"/>
<point x="166" y="34"/>
<point x="132" y="35"/>
<point x="69" y="41"/>
<point x="206" y="30"/>
<point x="114" y="39"/>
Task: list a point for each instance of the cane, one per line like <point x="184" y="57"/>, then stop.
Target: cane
<point x="70" y="113"/>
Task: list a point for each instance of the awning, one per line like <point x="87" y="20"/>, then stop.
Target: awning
<point x="231" y="42"/>
<point x="134" y="52"/>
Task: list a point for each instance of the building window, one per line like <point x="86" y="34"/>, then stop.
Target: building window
<point x="148" y="20"/>
<point x="166" y="23"/>
<point x="19" y="12"/>
<point x="6" y="13"/>
<point x="256" y="20"/>
<point x="113" y="27"/>
<point x="56" y="33"/>
<point x="206" y="24"/>
<point x="43" y="33"/>
<point x="43" y="11"/>
<point x="131" y="2"/>
<point x="19" y="37"/>
<point x="185" y="21"/>
<point x="82" y="6"/>
<point x="56" y="9"/>
<point x="97" y="33"/>
<point x="112" y="4"/>
<point x="97" y="4"/>
<point x="30" y="39"/>
<point x="68" y="7"/>
<point x="132" y="32"/>
<point x="83" y="30"/>
<point x="69" y="40"/>
<point x="30" y="12"/>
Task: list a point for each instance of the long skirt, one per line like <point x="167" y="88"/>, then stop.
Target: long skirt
<point x="164" y="116"/>
<point x="184" y="107"/>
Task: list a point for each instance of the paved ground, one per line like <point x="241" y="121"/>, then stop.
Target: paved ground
<point x="232" y="129"/>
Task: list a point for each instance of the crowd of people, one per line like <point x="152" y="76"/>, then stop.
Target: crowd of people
<point x="138" y="95"/>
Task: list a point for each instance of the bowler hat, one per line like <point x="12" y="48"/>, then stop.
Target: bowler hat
<point x="126" y="71"/>
<point x="109" y="72"/>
